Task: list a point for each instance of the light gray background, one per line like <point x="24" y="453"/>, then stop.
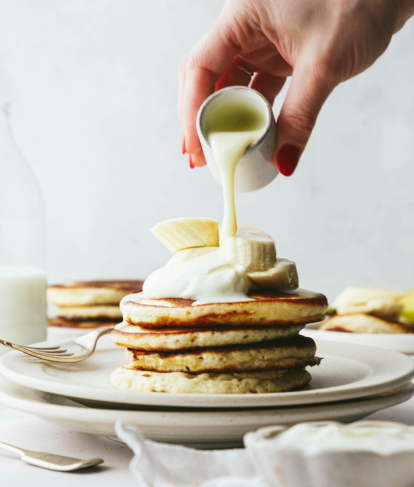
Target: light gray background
<point x="93" y="85"/>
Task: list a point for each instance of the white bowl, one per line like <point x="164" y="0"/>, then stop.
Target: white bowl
<point x="304" y="465"/>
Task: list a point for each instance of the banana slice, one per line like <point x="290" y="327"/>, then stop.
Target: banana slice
<point x="381" y="302"/>
<point x="408" y="310"/>
<point x="387" y="309"/>
<point x="250" y="247"/>
<point x="189" y="254"/>
<point x="185" y="233"/>
<point x="283" y="275"/>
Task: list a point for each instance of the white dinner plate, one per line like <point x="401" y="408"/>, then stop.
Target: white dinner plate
<point x="399" y="342"/>
<point x="203" y="428"/>
<point x="346" y="372"/>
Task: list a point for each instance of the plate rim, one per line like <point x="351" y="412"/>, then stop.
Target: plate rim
<point x="340" y="336"/>
<point x="294" y="398"/>
<point x="90" y="413"/>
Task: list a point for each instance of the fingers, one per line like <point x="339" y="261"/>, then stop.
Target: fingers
<point x="199" y="72"/>
<point x="308" y="91"/>
<point x="197" y="159"/>
<point x="269" y="86"/>
<point x="233" y="77"/>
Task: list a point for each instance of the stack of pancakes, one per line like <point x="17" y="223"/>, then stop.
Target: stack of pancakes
<point x="89" y="304"/>
<point x="219" y="348"/>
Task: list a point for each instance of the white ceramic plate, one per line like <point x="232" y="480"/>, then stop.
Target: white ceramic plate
<point x="347" y="372"/>
<point x="400" y="342"/>
<point x="222" y="428"/>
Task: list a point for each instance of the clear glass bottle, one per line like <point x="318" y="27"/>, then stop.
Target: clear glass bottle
<point x="22" y="245"/>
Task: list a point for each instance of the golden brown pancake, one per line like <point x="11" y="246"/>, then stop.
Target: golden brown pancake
<point x="296" y="352"/>
<point x="267" y="381"/>
<point x="270" y="308"/>
<point x="168" y="339"/>
<point x="86" y="293"/>
<point x="89" y="313"/>
<point x="363" y="323"/>
<point x="83" y="325"/>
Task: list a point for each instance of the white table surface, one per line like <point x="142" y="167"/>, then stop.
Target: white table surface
<point x="35" y="434"/>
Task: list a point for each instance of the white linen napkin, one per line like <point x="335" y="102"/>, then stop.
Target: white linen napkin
<point x="162" y="465"/>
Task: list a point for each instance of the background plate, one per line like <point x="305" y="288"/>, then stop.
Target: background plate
<point x="399" y="342"/>
<point x="347" y="372"/>
<point x="223" y="428"/>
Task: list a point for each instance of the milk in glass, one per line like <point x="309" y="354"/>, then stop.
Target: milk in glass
<point x="22" y="245"/>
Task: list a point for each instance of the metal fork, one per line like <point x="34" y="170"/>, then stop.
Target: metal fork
<point x="67" y="351"/>
<point x="50" y="460"/>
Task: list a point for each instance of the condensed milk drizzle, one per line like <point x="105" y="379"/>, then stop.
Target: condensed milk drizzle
<point x="231" y="127"/>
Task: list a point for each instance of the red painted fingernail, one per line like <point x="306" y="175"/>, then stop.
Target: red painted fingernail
<point x="287" y="159"/>
<point x="190" y="161"/>
<point x="183" y="145"/>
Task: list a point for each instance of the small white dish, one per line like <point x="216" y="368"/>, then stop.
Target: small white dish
<point x="399" y="342"/>
<point x="204" y="428"/>
<point x="346" y="372"/>
<point x="337" y="456"/>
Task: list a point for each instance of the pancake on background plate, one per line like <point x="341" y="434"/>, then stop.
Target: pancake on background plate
<point x="91" y="293"/>
<point x="89" y="304"/>
<point x="363" y="323"/>
<point x="83" y="313"/>
<point x="80" y="325"/>
<point x="363" y="309"/>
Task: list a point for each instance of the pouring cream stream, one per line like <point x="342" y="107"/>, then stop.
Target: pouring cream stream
<point x="230" y="129"/>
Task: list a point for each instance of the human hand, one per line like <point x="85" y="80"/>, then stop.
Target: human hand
<point x="320" y="43"/>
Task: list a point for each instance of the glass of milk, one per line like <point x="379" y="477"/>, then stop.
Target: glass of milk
<point x="22" y="245"/>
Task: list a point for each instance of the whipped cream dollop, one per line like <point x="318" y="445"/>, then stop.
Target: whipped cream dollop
<point x="377" y="436"/>
<point x="224" y="273"/>
<point x="209" y="278"/>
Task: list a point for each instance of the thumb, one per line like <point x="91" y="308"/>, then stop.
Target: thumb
<point x="308" y="91"/>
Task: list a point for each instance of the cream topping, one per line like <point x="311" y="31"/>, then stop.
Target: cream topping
<point x="206" y="279"/>
<point x="381" y="437"/>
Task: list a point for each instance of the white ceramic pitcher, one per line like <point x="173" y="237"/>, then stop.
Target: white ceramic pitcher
<point x="255" y="168"/>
